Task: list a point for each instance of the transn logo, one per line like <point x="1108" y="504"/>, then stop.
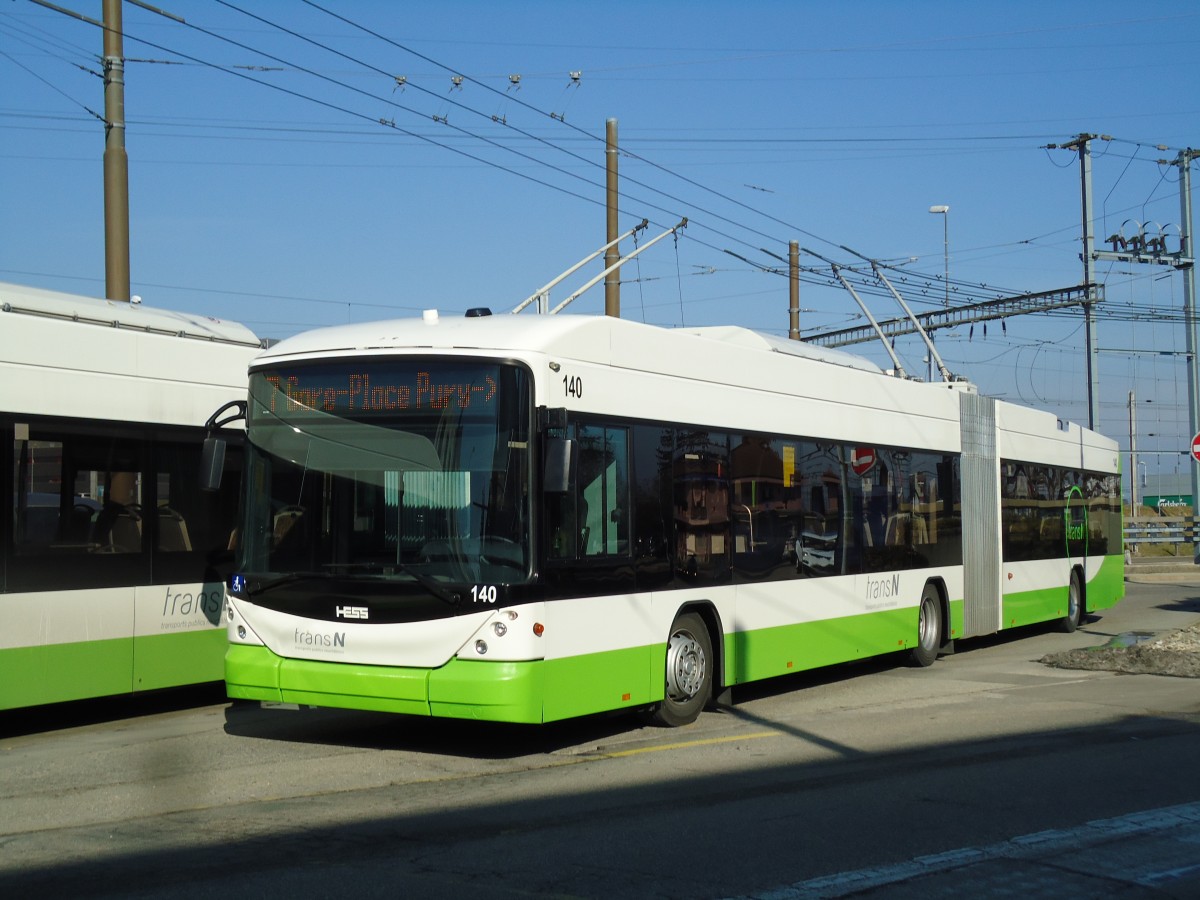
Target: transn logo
<point x="351" y="612"/>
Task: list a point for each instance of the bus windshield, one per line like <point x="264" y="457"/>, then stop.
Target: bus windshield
<point x="391" y="468"/>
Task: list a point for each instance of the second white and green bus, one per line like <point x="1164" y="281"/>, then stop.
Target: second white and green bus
<point x="112" y="558"/>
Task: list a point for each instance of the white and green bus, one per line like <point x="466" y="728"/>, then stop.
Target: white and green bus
<point x="111" y="557"/>
<point x="526" y="519"/>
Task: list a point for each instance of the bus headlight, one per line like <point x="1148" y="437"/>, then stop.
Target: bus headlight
<point x="500" y="628"/>
<point x="481" y="647"/>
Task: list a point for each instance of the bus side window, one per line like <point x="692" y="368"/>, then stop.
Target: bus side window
<point x="603" y="499"/>
<point x="700" y="474"/>
<point x="591" y="519"/>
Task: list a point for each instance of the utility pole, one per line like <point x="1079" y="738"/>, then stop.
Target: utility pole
<point x="1187" y="262"/>
<point x="612" y="282"/>
<point x="116" y="162"/>
<point x="1082" y="145"/>
<point x="794" y="291"/>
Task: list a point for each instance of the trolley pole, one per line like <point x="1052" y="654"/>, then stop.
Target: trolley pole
<point x="612" y="282"/>
<point x="116" y="162"/>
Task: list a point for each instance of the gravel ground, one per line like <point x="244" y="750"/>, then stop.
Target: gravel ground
<point x="1177" y="654"/>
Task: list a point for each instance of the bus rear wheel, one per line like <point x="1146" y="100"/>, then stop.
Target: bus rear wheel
<point x="1074" y="616"/>
<point x="688" y="672"/>
<point x="929" y="629"/>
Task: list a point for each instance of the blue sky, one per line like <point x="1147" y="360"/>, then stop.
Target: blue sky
<point x="264" y="187"/>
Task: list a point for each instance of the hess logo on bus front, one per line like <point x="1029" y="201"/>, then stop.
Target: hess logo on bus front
<point x="351" y="612"/>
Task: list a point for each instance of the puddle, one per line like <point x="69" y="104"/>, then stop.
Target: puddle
<point x="1128" y="639"/>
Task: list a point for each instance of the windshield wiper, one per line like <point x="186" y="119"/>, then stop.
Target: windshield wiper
<point x="256" y="587"/>
<point x="447" y="596"/>
<point x="442" y="593"/>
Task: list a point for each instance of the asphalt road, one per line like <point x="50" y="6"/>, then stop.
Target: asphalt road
<point x="987" y="774"/>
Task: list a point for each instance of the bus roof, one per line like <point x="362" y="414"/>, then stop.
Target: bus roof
<point x="591" y="338"/>
<point x="18" y="299"/>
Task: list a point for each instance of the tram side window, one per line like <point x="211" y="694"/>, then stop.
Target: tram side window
<point x="768" y="507"/>
<point x="820" y="548"/>
<point x="902" y="507"/>
<point x="592" y="521"/>
<point x="653" y="445"/>
<point x="700" y="473"/>
<point x="1034" y="500"/>
<point x="1104" y="513"/>
<point x="194" y="529"/>
<point x="76" y="494"/>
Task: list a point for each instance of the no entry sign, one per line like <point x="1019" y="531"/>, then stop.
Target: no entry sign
<point x="863" y="459"/>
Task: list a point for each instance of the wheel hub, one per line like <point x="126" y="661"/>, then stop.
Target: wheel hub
<point x="685" y="666"/>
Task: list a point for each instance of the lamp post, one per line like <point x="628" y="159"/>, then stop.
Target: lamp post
<point x="944" y="212"/>
<point x="1133" y="460"/>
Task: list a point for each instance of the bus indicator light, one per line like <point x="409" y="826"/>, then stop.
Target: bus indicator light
<point x="538" y="628"/>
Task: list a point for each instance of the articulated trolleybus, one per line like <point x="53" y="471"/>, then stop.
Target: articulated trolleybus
<point x="528" y="519"/>
<point x="110" y="554"/>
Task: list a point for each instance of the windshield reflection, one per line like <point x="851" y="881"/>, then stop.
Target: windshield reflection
<point x="434" y="488"/>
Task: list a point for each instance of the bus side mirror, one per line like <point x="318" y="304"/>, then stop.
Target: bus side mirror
<point x="557" y="475"/>
<point x="212" y="463"/>
<point x="212" y="454"/>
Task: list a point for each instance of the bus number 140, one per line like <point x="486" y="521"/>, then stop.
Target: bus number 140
<point x="483" y="593"/>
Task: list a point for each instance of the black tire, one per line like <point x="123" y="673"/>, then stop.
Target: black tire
<point x="1074" y="616"/>
<point x="930" y="628"/>
<point x="689" y="672"/>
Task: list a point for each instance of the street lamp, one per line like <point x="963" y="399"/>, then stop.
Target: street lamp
<point x="944" y="212"/>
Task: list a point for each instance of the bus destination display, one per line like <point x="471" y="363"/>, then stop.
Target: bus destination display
<point x="342" y="391"/>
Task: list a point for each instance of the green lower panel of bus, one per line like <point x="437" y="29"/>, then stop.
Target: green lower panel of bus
<point x="550" y="690"/>
<point x="769" y="652"/>
<point x="1107" y="585"/>
<point x="1103" y="590"/>
<point x="171" y="660"/>
<point x="56" y="673"/>
<point x="524" y="692"/>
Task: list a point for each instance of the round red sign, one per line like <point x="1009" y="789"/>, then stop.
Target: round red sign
<point x="863" y="460"/>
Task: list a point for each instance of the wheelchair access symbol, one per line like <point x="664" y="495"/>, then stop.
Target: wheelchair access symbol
<point x="237" y="584"/>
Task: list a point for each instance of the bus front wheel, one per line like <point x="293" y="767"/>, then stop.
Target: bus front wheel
<point x="688" y="672"/>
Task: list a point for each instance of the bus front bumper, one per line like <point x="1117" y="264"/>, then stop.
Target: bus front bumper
<point x="463" y="689"/>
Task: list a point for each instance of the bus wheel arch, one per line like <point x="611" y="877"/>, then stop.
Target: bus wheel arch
<point x="933" y="624"/>
<point x="692" y="666"/>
